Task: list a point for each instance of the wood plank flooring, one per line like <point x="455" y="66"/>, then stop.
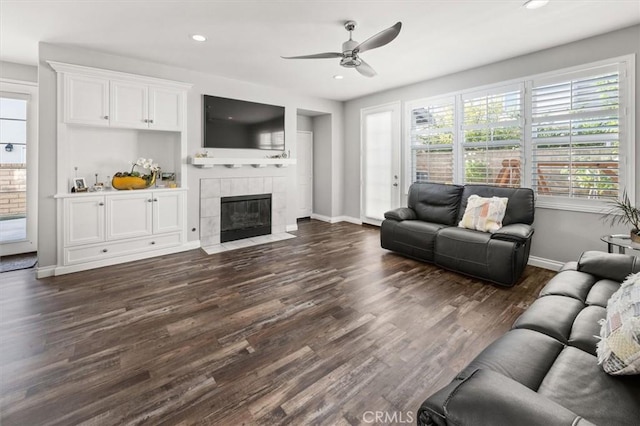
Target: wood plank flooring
<point x="325" y="328"/>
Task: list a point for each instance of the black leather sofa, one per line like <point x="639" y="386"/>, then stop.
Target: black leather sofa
<point x="427" y="230"/>
<point x="545" y="371"/>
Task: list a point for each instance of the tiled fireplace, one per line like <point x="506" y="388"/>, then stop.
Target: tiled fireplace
<point x="213" y="189"/>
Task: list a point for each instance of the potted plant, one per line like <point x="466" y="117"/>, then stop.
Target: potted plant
<point x="623" y="212"/>
<point x="135" y="180"/>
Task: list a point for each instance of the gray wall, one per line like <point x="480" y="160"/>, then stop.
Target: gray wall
<point x="560" y="235"/>
<point x="202" y="84"/>
<point x="322" y="179"/>
<point x="13" y="71"/>
<point x="305" y="123"/>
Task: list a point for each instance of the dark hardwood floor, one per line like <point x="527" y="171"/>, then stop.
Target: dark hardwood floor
<point x="325" y="328"/>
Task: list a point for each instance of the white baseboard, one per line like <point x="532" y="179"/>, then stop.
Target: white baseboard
<point x="541" y="262"/>
<point x="290" y="228"/>
<point x="45" y="271"/>
<point x="336" y="219"/>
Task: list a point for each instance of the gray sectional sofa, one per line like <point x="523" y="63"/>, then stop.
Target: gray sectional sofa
<point x="427" y="230"/>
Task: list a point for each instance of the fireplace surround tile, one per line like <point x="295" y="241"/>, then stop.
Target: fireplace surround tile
<point x="212" y="189"/>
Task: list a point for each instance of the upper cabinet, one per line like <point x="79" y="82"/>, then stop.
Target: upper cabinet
<point x="86" y="100"/>
<point x="113" y="99"/>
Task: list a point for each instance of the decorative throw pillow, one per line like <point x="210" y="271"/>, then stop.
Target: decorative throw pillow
<point x="484" y="214"/>
<point x="619" y="345"/>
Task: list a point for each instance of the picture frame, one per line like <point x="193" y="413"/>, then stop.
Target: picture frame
<point x="79" y="184"/>
<point x="168" y="176"/>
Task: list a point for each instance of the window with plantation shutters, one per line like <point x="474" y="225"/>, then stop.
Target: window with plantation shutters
<point x="575" y="134"/>
<point x="432" y="129"/>
<point x="492" y="136"/>
<point x="567" y="134"/>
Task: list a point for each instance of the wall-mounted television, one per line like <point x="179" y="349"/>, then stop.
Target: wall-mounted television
<point x="232" y="123"/>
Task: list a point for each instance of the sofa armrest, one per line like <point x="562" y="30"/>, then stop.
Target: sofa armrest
<point x="612" y="266"/>
<point x="516" y="232"/>
<point x="403" y="213"/>
<point x="489" y="398"/>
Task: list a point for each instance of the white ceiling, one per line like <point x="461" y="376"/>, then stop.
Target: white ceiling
<point x="247" y="38"/>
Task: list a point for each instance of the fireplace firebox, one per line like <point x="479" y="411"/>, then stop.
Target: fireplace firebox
<point x="245" y="216"/>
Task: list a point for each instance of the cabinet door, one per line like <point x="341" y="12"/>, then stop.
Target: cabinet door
<point x="129" y="216"/>
<point x="167" y="212"/>
<point x="129" y="105"/>
<point x="84" y="220"/>
<point x="86" y="100"/>
<point x="165" y="108"/>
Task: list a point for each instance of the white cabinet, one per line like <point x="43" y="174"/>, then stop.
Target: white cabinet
<point x="167" y="212"/>
<point x="129" y="216"/>
<point x="121" y="225"/>
<point x="138" y="106"/>
<point x="165" y="108"/>
<point x="86" y="100"/>
<point x="84" y="220"/>
<point x="129" y="105"/>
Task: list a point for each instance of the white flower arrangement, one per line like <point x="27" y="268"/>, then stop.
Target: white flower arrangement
<point x="146" y="164"/>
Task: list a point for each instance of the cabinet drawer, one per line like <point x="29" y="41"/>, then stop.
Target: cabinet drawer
<point x="95" y="252"/>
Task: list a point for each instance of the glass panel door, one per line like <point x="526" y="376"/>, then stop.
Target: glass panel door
<point x="18" y="212"/>
<point x="380" y="162"/>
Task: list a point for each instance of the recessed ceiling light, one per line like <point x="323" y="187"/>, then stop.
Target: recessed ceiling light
<point x="338" y="77"/>
<point x="198" y="37"/>
<point x="535" y="4"/>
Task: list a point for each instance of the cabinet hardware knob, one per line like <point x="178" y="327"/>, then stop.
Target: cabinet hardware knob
<point x="105" y="250"/>
<point x="149" y="200"/>
<point x="101" y="204"/>
<point x="106" y="117"/>
<point x="153" y="242"/>
<point x="155" y="199"/>
<point x="395" y="184"/>
<point x="150" y="121"/>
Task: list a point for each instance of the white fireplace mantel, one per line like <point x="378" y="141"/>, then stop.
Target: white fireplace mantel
<point x="209" y="162"/>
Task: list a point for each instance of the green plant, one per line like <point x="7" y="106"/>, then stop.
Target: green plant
<point x="623" y="212"/>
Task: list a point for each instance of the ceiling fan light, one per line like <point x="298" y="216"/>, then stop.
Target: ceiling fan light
<point x="338" y="77"/>
<point x="535" y="4"/>
<point x="198" y="37"/>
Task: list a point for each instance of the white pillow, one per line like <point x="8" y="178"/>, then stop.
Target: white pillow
<point x="484" y="214"/>
<point x="619" y="346"/>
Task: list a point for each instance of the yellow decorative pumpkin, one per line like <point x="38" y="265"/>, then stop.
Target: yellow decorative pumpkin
<point x="132" y="182"/>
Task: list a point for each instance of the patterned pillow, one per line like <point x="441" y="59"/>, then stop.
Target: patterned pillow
<point x="484" y="214"/>
<point x="619" y="345"/>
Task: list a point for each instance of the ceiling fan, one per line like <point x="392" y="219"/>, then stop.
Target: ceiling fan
<point x="349" y="58"/>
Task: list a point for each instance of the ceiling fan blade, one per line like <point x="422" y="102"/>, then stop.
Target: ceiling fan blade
<point x="365" y="69"/>
<point x="316" y="56"/>
<point x="380" y="39"/>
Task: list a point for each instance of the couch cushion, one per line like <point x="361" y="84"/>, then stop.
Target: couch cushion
<point x="522" y="355"/>
<point x="586" y="328"/>
<point x="417" y="238"/>
<point x="571" y="284"/>
<point x="484" y="214"/>
<point x="463" y="250"/>
<point x="576" y="382"/>
<point x="435" y="202"/>
<point x="601" y="292"/>
<point x="521" y="206"/>
<point x="551" y="315"/>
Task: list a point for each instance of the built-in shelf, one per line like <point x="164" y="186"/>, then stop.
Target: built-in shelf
<point x="208" y="162"/>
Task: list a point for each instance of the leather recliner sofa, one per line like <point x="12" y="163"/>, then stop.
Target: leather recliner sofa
<point x="545" y="371"/>
<point x="427" y="230"/>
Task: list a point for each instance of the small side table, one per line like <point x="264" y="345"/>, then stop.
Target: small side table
<point x="621" y="241"/>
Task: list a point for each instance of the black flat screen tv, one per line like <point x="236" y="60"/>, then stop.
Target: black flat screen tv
<point x="232" y="123"/>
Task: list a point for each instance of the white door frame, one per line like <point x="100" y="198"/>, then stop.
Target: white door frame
<point x="396" y="110"/>
<point x="31" y="242"/>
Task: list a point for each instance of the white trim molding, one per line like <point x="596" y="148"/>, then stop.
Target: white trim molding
<point x="541" y="262"/>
